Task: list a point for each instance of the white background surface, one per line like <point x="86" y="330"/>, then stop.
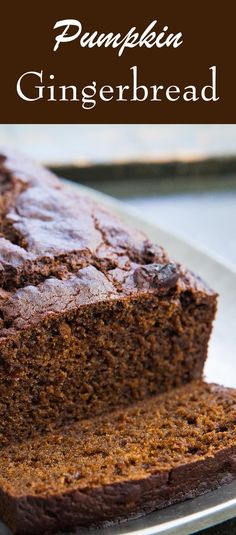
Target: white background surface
<point x="208" y="218"/>
<point x="108" y="143"/>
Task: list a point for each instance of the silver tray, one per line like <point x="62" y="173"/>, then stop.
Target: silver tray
<point x="220" y="505"/>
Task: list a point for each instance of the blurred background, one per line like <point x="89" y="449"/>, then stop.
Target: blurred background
<point x="180" y="176"/>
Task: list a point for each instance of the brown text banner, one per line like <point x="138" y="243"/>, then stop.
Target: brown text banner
<point x="117" y="62"/>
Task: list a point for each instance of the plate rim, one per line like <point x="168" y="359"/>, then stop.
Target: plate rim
<point x="136" y="213"/>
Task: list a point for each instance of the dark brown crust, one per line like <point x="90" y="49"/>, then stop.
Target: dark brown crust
<point x="50" y="230"/>
<point x="94" y="508"/>
<point x="50" y="233"/>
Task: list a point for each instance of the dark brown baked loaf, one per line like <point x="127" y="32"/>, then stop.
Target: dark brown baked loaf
<point x="92" y="315"/>
<point x="153" y="454"/>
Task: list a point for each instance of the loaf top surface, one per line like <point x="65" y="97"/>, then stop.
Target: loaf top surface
<point x="166" y="435"/>
<point x="59" y="249"/>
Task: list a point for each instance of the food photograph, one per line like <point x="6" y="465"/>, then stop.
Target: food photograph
<point x="117" y="329"/>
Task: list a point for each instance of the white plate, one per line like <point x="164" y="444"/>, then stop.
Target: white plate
<point x="217" y="506"/>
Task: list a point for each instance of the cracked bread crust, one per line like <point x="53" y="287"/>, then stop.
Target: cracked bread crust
<point x="48" y="229"/>
<point x="52" y="240"/>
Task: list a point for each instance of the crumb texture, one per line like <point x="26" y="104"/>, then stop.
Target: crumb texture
<point x="157" y="452"/>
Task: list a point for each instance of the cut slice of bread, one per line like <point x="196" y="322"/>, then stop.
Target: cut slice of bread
<point x="152" y="454"/>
